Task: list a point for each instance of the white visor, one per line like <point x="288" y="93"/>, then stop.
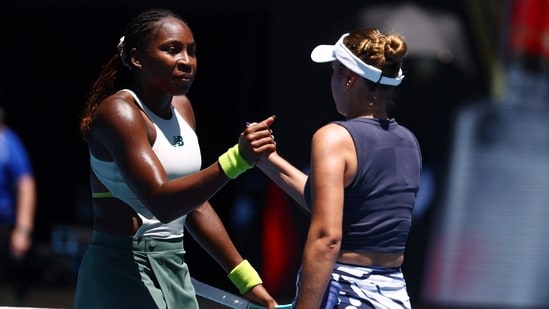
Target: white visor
<point x="328" y="53"/>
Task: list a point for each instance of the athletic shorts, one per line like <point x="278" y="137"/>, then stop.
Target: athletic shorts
<point x="120" y="272"/>
<point x="360" y="287"/>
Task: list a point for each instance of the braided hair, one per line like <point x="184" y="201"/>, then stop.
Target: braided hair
<point x="117" y="72"/>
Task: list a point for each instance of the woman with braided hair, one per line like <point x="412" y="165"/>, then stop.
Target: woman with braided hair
<point x="146" y="178"/>
<point x="362" y="185"/>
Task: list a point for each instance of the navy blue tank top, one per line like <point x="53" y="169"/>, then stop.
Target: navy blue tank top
<point x="378" y="204"/>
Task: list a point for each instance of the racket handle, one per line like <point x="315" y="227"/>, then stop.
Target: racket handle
<point x="254" y="306"/>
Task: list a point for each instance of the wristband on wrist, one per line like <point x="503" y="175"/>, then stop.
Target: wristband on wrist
<point x="233" y="163"/>
<point x="245" y="277"/>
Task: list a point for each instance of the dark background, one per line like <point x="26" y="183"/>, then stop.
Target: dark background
<point x="253" y="61"/>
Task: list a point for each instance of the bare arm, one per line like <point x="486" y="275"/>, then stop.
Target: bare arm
<point x="208" y="230"/>
<point x="329" y="162"/>
<point x="21" y="238"/>
<point x="124" y="134"/>
<point x="286" y="176"/>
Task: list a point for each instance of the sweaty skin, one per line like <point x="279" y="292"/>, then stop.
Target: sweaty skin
<point x="120" y="131"/>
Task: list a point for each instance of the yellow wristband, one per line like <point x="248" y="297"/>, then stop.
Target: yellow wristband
<point x="232" y="163"/>
<point x="245" y="277"/>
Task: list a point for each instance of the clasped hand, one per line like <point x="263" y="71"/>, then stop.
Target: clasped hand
<point x="257" y="140"/>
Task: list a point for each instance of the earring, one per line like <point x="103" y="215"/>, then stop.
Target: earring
<point x="347" y="84"/>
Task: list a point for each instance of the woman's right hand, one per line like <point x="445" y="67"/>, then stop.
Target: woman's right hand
<point x="257" y="140"/>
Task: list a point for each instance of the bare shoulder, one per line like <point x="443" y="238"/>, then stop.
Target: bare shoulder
<point x="333" y="154"/>
<point x="332" y="135"/>
<point x="118" y="107"/>
<point x="116" y="118"/>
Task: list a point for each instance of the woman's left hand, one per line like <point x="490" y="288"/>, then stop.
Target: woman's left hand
<point x="259" y="295"/>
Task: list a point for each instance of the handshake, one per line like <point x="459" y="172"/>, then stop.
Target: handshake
<point x="256" y="141"/>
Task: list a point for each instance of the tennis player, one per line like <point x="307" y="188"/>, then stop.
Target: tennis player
<point x="146" y="178"/>
<point x="363" y="181"/>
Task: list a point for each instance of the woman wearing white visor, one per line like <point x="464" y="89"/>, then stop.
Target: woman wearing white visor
<point x="362" y="185"/>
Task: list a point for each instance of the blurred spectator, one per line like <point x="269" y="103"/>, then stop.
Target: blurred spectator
<point x="17" y="211"/>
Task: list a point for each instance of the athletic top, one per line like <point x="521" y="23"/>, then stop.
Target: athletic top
<point x="14" y="163"/>
<point x="378" y="203"/>
<point x="177" y="148"/>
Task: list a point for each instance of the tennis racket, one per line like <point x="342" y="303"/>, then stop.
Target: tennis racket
<point x="226" y="298"/>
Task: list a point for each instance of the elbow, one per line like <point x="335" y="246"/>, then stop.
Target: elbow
<point x="330" y="247"/>
<point x="331" y="242"/>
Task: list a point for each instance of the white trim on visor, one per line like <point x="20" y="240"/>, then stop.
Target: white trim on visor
<point x="328" y="53"/>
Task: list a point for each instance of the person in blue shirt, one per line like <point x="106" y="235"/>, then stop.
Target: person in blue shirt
<point x="17" y="205"/>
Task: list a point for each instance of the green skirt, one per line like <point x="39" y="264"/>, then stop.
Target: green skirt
<point x="123" y="272"/>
